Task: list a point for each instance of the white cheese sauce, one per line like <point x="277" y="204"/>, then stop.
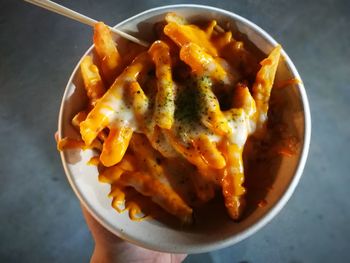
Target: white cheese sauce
<point x="119" y="112"/>
<point x="241" y="126"/>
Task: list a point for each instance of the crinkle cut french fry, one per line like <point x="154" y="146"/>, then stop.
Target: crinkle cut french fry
<point x="203" y="64"/>
<point x="116" y="145"/>
<point x="173" y="47"/>
<point x="69" y="143"/>
<point x="148" y="156"/>
<point x="243" y="99"/>
<point x="222" y="40"/>
<point x="151" y="158"/>
<point x="78" y="118"/>
<point x="160" y="193"/>
<point x="186" y="34"/>
<point x="112" y="174"/>
<point x="210" y="28"/>
<point x="94" y="123"/>
<point x="139" y="101"/>
<point x="106" y="108"/>
<point x="107" y="51"/>
<point x="154" y="134"/>
<point x="211" y="114"/>
<point x="156" y="178"/>
<point x="209" y="153"/>
<point x="263" y="85"/>
<point x="204" y="188"/>
<point x="102" y="136"/>
<point x="160" y="142"/>
<point x="188" y="152"/>
<point x="240" y="120"/>
<point x="128" y="163"/>
<point x="232" y="183"/>
<point x="165" y="97"/>
<point x="118" y="195"/>
<point x="92" y="80"/>
<point x="239" y="58"/>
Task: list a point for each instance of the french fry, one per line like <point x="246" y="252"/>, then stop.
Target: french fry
<point x="102" y="136"/>
<point x="209" y="153"/>
<point x="232" y="182"/>
<point x="211" y="114"/>
<point x="165" y="98"/>
<point x="154" y="134"/>
<point x="148" y="156"/>
<point x="112" y="174"/>
<point x="159" y="141"/>
<point x="263" y="85"/>
<point x="222" y="40"/>
<point x="239" y="57"/>
<point x="140" y="101"/>
<point x="69" y="143"/>
<point x="241" y="126"/>
<point x="128" y="163"/>
<point x="210" y="28"/>
<point x="173" y="48"/>
<point x="115" y="145"/>
<point x="92" y="80"/>
<point x="188" y="152"/>
<point x="203" y="64"/>
<point x="106" y="108"/>
<point x="107" y="51"/>
<point x="204" y="189"/>
<point x="78" y="118"/>
<point x="155" y="177"/>
<point x="185" y="34"/>
<point x="243" y="99"/>
<point x="118" y="194"/>
<point x="161" y="194"/>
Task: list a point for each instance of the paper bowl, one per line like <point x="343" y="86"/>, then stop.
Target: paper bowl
<point x="213" y="228"/>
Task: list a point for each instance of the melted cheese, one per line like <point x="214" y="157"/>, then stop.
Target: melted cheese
<point x="118" y="112"/>
<point x="112" y="110"/>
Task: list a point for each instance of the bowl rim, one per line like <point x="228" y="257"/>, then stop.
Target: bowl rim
<point x="274" y="210"/>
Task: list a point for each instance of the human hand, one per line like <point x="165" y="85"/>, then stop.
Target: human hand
<point x="110" y="248"/>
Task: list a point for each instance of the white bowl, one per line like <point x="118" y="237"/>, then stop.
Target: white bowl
<point x="213" y="229"/>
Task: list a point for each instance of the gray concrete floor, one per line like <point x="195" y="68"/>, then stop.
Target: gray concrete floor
<point x="41" y="220"/>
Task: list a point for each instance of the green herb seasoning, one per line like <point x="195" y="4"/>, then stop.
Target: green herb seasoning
<point x="187" y="109"/>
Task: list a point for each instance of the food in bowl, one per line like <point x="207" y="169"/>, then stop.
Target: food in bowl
<point x="170" y="123"/>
